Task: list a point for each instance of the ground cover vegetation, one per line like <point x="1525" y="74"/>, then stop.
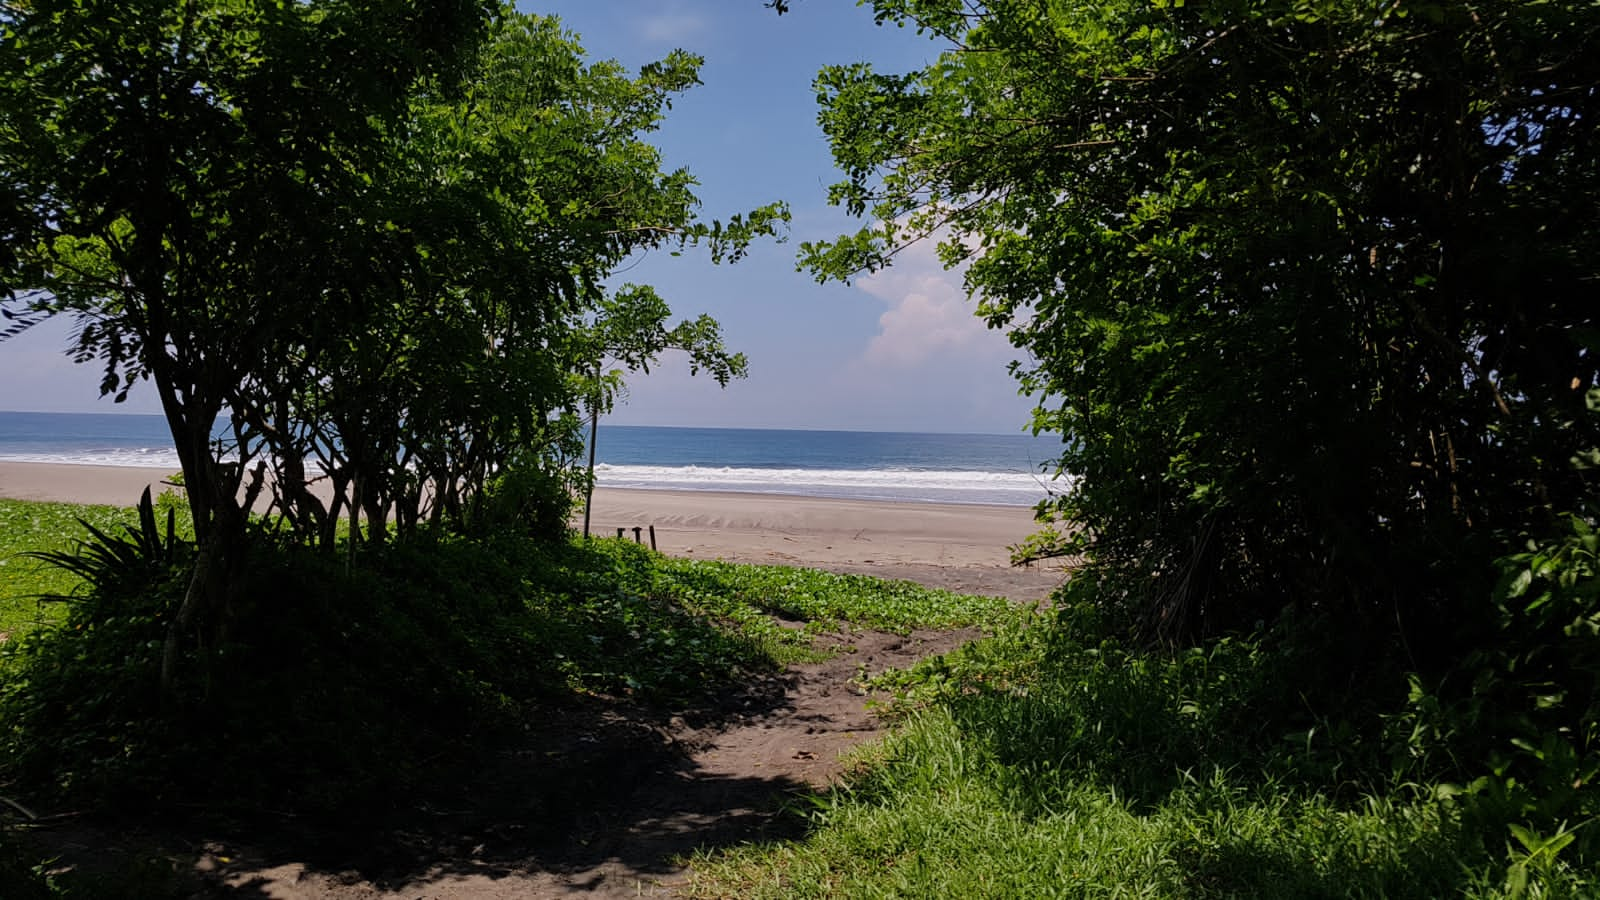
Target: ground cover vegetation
<point x="1053" y="761"/>
<point x="37" y="528"/>
<point x="1309" y="292"/>
<point x="354" y="692"/>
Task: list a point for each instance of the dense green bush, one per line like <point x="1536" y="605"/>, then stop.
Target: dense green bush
<point x="341" y="681"/>
<point x="1518" y="723"/>
<point x="21" y="873"/>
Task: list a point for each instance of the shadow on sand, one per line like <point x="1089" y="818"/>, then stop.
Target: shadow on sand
<point x="597" y="799"/>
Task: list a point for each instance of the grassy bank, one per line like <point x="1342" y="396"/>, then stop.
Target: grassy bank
<point x="1052" y="763"/>
<point x="1045" y="761"/>
<point x="460" y="635"/>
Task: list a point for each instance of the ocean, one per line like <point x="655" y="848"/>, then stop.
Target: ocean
<point x="863" y="465"/>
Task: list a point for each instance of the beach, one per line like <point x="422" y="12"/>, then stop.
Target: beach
<point x="963" y="547"/>
<point x="66" y="483"/>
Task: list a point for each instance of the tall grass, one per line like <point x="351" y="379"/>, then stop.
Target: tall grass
<point x="942" y="816"/>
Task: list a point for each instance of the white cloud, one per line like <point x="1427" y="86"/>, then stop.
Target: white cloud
<point x="673" y="27"/>
<point x="929" y="316"/>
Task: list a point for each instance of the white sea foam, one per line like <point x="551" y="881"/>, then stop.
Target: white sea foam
<point x="1007" y="488"/>
<point x="1018" y="489"/>
<point x="136" y="457"/>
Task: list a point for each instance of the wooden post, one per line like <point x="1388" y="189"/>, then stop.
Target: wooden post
<point x="636" y="538"/>
<point x="619" y="533"/>
<point x="594" y="435"/>
<point x="652" y="537"/>
<point x="589" y="484"/>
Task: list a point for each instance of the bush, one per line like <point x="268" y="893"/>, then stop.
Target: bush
<point x="336" y="687"/>
<point x="1516" y="727"/>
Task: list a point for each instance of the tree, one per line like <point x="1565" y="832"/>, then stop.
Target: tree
<point x="630" y="331"/>
<point x="1308" y="289"/>
<point x="364" y="234"/>
<point x="173" y="164"/>
<point x="500" y="209"/>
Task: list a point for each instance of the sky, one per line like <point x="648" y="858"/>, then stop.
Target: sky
<point x="899" y="350"/>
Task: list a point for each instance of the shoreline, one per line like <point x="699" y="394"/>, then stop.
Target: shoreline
<point x="963" y="547"/>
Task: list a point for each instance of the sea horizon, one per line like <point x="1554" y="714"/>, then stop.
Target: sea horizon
<point x="901" y="466"/>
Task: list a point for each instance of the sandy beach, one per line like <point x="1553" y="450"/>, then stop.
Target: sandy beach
<point x="60" y="483"/>
<point x="960" y="547"/>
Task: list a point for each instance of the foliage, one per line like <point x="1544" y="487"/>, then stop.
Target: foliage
<point x="1138" y="720"/>
<point x="178" y="170"/>
<point x="1517" y="724"/>
<point x="125" y="565"/>
<point x="1307" y="288"/>
<point x="1052" y="762"/>
<point x="829" y="598"/>
<point x="426" y="648"/>
<point x="28" y="527"/>
<point x="175" y="164"/>
<point x="1308" y="291"/>
<point x="367" y="238"/>
<point x="435" y="647"/>
<point x="21" y="874"/>
<point x="511" y="200"/>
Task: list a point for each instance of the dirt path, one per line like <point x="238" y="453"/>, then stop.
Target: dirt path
<point x="632" y="796"/>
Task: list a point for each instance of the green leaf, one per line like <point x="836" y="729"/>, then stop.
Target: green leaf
<point x="1520" y="584"/>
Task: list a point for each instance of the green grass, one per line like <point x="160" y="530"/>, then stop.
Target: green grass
<point x="937" y="818"/>
<point x="692" y="618"/>
<point x="756" y="600"/>
<point x="29" y="526"/>
<point x="1035" y="764"/>
<point x="813" y="595"/>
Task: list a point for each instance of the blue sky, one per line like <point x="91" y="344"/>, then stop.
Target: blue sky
<point x="896" y="351"/>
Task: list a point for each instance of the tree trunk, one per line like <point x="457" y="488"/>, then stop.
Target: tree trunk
<point x="219" y="523"/>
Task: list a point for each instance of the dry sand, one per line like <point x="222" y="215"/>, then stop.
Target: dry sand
<point x="107" y="485"/>
<point x="960" y="547"/>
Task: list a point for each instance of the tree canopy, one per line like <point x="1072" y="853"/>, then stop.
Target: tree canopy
<point x="361" y="246"/>
<point x="1309" y="289"/>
